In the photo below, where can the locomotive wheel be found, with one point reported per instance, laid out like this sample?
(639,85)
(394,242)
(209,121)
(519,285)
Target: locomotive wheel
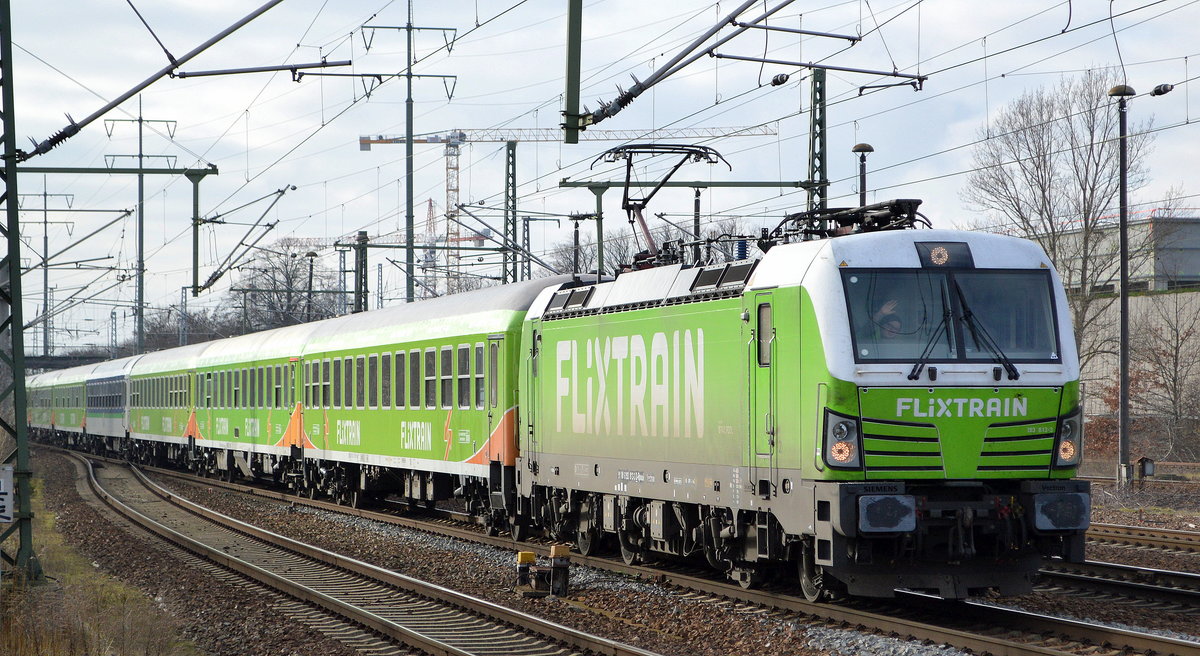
(587,533)
(810,581)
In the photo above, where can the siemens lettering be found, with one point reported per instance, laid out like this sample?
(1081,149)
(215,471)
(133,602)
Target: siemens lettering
(1011,407)
(632,385)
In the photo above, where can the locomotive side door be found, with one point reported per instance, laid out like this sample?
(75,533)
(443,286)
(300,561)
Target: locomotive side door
(762,385)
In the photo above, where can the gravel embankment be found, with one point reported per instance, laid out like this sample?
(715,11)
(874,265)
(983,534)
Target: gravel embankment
(647,615)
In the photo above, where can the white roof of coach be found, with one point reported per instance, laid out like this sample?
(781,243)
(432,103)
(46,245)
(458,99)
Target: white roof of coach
(118,367)
(266,345)
(60,376)
(478,311)
(172,359)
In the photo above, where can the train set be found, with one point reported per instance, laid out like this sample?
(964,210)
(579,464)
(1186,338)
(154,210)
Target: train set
(880,409)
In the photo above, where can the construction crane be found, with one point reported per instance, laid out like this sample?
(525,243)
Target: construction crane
(454,139)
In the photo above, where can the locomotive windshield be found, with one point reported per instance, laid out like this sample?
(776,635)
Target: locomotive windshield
(951,315)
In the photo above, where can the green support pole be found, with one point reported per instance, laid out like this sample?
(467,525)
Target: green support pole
(195,180)
(360,272)
(25,562)
(599,191)
(571,124)
(510,210)
(818,194)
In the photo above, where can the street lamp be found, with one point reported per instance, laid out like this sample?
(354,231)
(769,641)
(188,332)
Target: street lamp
(1121,92)
(862,149)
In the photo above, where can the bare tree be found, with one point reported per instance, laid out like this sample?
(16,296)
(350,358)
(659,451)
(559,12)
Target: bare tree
(619,248)
(1166,350)
(278,288)
(1047,169)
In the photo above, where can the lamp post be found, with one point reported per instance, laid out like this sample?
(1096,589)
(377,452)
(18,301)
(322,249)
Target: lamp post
(862,149)
(1121,92)
(311,255)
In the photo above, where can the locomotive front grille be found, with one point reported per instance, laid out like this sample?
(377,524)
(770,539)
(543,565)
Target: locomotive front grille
(1022,446)
(893,447)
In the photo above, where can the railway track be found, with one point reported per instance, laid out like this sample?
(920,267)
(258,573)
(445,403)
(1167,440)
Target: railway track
(429,618)
(979,627)
(1151,585)
(1139,536)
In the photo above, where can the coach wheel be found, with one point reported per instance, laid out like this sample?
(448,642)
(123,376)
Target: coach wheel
(587,531)
(349,497)
(629,552)
(811,583)
(519,528)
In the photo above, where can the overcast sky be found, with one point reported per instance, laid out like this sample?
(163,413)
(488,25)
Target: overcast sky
(265,132)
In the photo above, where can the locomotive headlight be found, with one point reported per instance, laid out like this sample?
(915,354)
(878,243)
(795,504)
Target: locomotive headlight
(842,449)
(1068,448)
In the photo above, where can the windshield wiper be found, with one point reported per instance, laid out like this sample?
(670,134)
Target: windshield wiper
(981,336)
(943,325)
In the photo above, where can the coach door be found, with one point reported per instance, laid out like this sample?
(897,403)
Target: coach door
(762,384)
(496,397)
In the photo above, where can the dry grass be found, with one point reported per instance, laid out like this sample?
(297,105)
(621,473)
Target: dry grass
(79,610)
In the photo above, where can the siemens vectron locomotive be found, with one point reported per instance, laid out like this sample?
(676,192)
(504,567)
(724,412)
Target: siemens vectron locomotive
(892,408)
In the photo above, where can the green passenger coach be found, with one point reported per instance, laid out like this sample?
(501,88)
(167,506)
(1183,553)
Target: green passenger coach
(864,408)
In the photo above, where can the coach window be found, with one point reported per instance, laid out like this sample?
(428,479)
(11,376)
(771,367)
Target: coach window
(373,381)
(464,376)
(208,390)
(337,383)
(385,380)
(479,377)
(401,377)
(447,376)
(414,380)
(314,381)
(360,381)
(326,385)
(431,378)
(306,383)
(349,392)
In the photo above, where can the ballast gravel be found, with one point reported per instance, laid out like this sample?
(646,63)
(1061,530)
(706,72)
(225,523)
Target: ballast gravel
(636,612)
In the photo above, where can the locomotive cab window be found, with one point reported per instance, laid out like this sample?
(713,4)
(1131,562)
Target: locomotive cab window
(949,315)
